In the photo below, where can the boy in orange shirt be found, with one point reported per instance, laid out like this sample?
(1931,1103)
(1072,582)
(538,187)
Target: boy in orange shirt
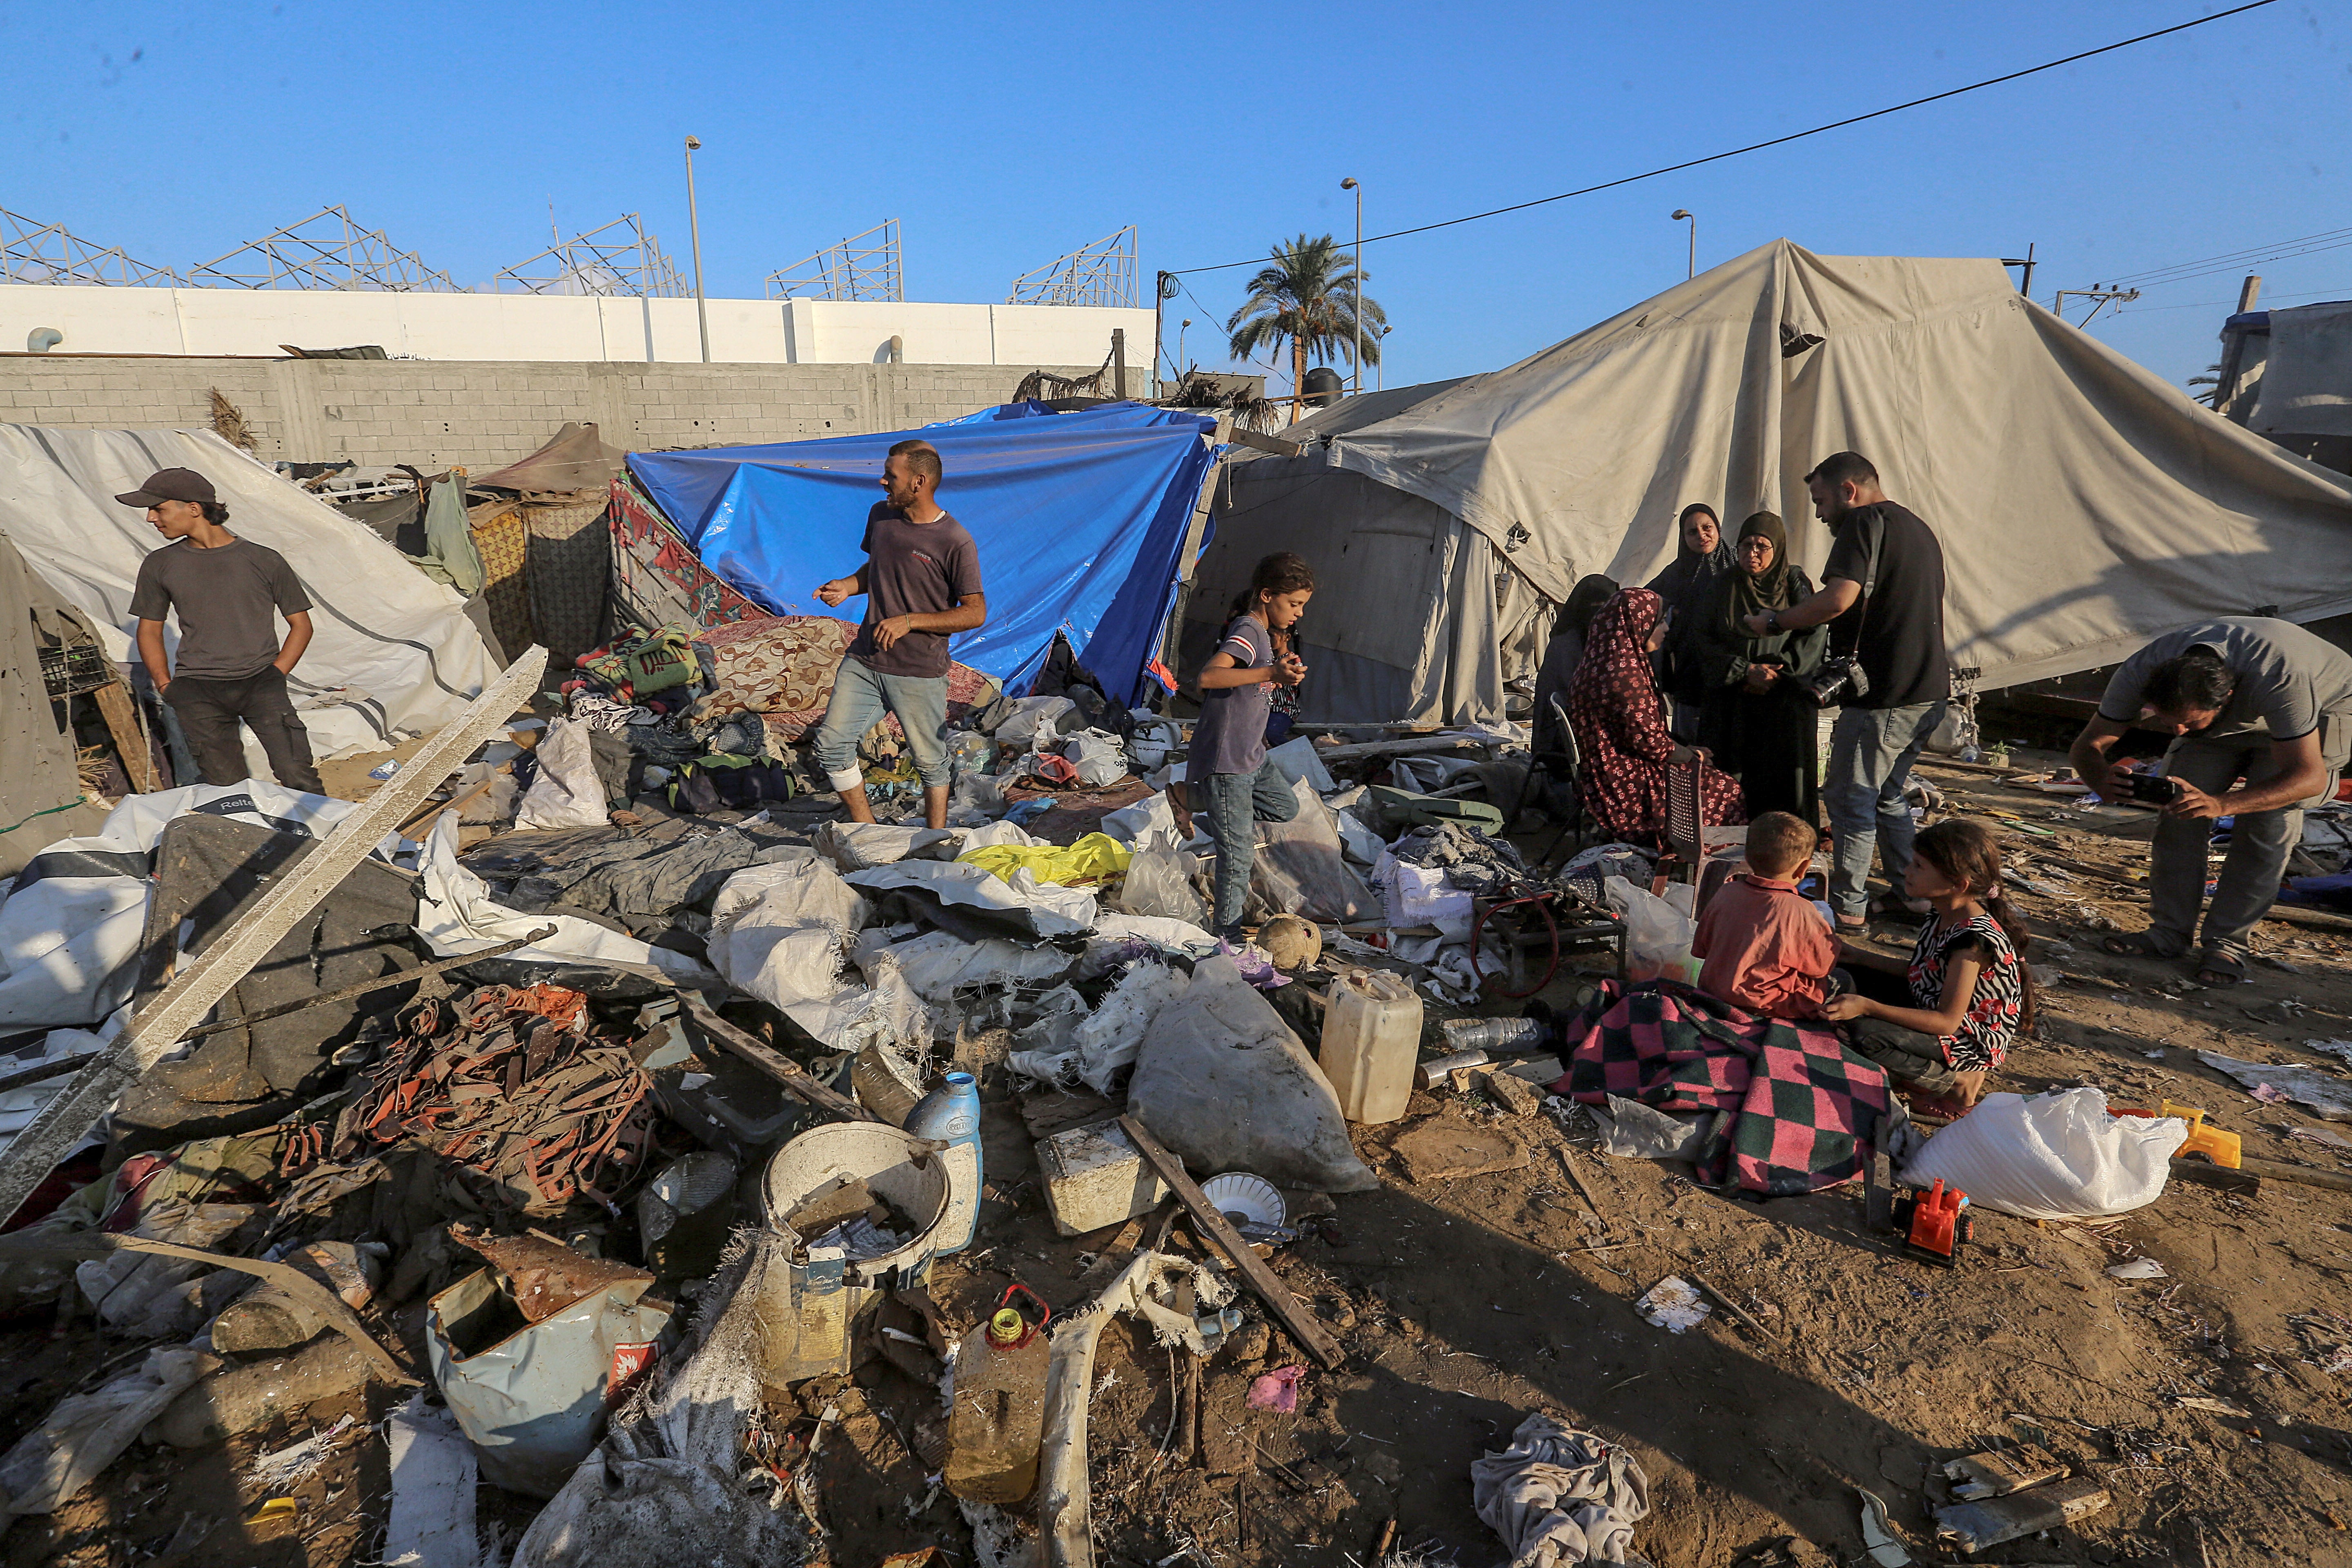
(1766,947)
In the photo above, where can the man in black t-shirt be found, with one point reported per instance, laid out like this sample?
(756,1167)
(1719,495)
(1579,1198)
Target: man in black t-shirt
(1889,561)
(231,668)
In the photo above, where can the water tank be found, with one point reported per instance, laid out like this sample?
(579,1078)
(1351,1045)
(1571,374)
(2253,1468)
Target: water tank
(1322,387)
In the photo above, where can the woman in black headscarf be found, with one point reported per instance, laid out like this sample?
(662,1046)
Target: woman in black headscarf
(1754,717)
(1561,654)
(1703,560)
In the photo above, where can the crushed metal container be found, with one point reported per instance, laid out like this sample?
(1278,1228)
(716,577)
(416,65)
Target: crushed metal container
(812,1308)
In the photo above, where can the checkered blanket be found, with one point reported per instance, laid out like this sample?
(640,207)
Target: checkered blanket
(1797,1110)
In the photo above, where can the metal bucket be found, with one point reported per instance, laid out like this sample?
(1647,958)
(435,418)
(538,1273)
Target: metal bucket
(810,1309)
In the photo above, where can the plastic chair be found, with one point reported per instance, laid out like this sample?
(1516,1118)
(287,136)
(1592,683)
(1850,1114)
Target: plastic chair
(1562,770)
(1684,835)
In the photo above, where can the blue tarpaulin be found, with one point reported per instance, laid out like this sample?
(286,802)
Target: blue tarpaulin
(1079,519)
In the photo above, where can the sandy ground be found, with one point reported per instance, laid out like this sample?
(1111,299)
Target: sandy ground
(1464,1304)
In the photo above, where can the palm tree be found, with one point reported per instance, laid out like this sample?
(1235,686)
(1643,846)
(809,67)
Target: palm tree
(1309,296)
(2211,378)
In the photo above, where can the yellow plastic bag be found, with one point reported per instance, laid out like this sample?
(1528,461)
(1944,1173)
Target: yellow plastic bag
(1091,860)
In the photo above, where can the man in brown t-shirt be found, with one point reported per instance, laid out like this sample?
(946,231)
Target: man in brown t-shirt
(921,583)
(228,592)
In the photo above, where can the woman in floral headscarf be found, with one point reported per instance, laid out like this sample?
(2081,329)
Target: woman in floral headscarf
(1621,728)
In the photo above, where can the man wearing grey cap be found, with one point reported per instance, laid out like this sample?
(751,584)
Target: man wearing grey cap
(228,592)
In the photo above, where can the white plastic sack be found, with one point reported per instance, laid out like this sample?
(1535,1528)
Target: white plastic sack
(1224,1082)
(1657,935)
(1296,760)
(87,1432)
(887,1015)
(860,845)
(1132,824)
(1098,757)
(1158,883)
(936,963)
(1032,716)
(778,931)
(567,793)
(2056,1156)
(1111,1036)
(1420,896)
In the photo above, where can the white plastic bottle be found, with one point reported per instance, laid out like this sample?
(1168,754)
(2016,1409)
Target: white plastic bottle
(1372,1037)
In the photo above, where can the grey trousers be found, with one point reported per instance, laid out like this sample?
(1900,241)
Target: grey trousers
(1235,805)
(1871,753)
(2259,842)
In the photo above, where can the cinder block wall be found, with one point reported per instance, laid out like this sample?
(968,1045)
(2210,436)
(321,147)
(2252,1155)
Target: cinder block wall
(439,413)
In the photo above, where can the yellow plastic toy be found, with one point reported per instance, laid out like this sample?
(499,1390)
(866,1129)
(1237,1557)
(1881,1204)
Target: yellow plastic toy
(2224,1149)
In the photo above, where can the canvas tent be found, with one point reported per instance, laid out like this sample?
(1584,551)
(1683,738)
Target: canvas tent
(1080,517)
(40,790)
(393,652)
(2084,505)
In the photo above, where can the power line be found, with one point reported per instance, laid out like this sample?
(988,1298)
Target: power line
(1778,141)
(2209,304)
(2278,251)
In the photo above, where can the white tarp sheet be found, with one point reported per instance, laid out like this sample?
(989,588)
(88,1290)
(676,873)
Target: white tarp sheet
(2307,387)
(399,643)
(2084,505)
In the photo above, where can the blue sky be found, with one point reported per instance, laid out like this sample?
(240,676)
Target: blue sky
(1002,138)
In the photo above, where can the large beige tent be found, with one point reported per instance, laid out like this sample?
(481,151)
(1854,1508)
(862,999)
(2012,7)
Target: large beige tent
(2084,505)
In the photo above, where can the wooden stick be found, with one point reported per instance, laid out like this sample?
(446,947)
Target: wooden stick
(1213,1227)
(122,716)
(1567,1164)
(41,1072)
(1729,1305)
(797,1081)
(453,804)
(1388,1539)
(2287,1170)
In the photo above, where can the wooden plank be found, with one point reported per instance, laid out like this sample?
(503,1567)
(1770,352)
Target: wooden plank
(1302,1324)
(122,717)
(2244,1182)
(199,987)
(2284,1171)
(1359,751)
(796,1078)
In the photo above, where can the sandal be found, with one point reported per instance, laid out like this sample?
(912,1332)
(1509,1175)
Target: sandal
(2133,945)
(2222,966)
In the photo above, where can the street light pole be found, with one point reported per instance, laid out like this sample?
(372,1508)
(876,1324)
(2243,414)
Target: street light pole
(694,225)
(1676,216)
(1350,185)
(1181,327)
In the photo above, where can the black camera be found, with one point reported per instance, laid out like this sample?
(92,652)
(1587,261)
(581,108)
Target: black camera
(1839,680)
(2155,789)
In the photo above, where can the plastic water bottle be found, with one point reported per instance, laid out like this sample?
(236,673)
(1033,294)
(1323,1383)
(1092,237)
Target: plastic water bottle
(949,1114)
(1504,1034)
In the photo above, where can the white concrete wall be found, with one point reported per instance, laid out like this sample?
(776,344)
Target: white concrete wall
(554,328)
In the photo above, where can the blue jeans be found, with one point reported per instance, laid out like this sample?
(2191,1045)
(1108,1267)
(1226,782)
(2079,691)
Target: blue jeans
(861,695)
(1871,753)
(1234,805)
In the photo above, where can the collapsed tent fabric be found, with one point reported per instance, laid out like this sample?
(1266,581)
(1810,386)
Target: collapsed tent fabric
(2084,505)
(40,788)
(1080,517)
(393,652)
